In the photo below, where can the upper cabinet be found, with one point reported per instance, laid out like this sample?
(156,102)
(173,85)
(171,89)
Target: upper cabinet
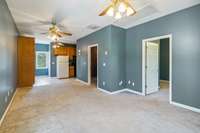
(61,51)
(66,51)
(72,51)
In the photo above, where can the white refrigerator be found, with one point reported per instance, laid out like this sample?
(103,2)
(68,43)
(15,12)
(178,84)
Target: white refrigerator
(62,67)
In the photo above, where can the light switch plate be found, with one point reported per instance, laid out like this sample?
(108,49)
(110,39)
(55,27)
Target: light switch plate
(104,83)
(120,83)
(106,52)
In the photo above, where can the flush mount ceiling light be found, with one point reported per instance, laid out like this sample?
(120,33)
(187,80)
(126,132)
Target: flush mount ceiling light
(119,9)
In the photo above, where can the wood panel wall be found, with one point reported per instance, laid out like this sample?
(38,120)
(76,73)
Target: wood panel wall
(26,61)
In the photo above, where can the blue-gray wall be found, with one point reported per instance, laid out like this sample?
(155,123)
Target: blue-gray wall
(112,40)
(8,56)
(42,48)
(164,59)
(125,55)
(184,27)
(53,62)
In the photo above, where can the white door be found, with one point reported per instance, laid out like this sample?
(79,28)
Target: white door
(62,66)
(152,67)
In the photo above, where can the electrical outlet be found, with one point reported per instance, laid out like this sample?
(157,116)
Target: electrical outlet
(133,84)
(104,64)
(6,99)
(104,83)
(106,52)
(79,50)
(120,83)
(129,82)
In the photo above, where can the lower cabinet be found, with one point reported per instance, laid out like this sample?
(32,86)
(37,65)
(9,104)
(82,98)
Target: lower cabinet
(71,71)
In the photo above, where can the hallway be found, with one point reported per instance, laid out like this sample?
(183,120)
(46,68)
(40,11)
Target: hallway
(67,106)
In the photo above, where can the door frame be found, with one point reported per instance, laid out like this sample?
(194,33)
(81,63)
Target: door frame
(89,63)
(144,63)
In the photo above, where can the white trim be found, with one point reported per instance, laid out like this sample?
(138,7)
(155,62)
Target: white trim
(114,92)
(135,92)
(8,107)
(89,62)
(81,81)
(120,91)
(143,62)
(185,106)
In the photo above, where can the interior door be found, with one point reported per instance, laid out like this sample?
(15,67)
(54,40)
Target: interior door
(152,67)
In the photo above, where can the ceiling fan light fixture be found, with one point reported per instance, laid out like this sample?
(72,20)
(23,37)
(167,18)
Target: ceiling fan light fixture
(54,46)
(130,11)
(119,9)
(118,15)
(122,7)
(110,12)
(54,38)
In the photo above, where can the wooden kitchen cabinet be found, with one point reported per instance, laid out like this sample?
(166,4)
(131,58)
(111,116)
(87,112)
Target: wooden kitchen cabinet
(26,61)
(72,52)
(61,51)
(66,51)
(71,71)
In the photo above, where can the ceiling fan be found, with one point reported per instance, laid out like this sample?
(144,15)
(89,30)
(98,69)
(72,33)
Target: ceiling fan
(55,32)
(119,9)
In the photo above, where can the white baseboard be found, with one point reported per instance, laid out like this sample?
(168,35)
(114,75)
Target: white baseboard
(185,106)
(135,92)
(8,107)
(86,83)
(120,91)
(114,92)
(109,92)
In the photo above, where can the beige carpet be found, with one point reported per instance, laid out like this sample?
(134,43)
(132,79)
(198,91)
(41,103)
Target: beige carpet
(67,106)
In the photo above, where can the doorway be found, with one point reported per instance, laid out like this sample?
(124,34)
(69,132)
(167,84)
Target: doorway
(157,65)
(93,64)
(42,64)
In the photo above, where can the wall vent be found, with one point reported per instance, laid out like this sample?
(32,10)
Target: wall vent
(93,27)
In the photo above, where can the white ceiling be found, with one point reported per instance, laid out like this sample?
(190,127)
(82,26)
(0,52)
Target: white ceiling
(77,15)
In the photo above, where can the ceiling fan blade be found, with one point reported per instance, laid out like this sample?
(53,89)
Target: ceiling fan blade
(103,13)
(45,22)
(59,35)
(66,33)
(61,44)
(45,33)
(134,11)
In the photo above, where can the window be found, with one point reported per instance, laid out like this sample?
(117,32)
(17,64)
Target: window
(41,60)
